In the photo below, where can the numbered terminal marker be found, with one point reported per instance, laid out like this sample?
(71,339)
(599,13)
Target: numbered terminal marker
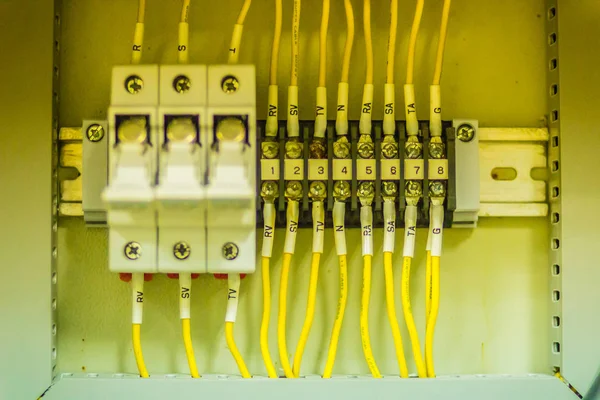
(414,170)
(438,169)
(366,170)
(342,169)
(269,170)
(318,169)
(293,170)
(390,170)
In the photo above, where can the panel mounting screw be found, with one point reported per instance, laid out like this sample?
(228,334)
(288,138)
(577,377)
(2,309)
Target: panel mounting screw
(230,251)
(134,84)
(182,84)
(465,133)
(230,84)
(181,250)
(133,250)
(95,133)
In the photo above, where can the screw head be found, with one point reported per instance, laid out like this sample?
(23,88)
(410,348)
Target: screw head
(293,149)
(341,147)
(269,190)
(365,148)
(317,191)
(182,84)
(230,84)
(269,149)
(413,148)
(293,190)
(389,147)
(436,149)
(132,250)
(366,192)
(230,251)
(465,133)
(389,189)
(134,84)
(95,133)
(317,149)
(341,190)
(181,250)
(413,188)
(437,189)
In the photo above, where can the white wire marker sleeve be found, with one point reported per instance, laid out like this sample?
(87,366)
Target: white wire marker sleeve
(412,122)
(364,125)
(269,231)
(341,120)
(339,233)
(138,43)
(366,224)
(435,112)
(389,109)
(389,230)
(410,231)
(184,43)
(318,215)
(234,47)
(137,289)
(291,229)
(428,246)
(293,124)
(437,227)
(233,294)
(321,112)
(185,295)
(272,127)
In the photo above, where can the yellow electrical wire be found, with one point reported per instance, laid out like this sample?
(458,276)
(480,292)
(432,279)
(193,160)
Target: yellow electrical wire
(437,75)
(234,350)
(141,11)
(189,349)
(414,32)
(310,312)
(266,317)
(368,41)
(185,11)
(431,320)
(410,321)
(391,56)
(323,44)
(243,12)
(276,41)
(364,317)
(295,43)
(349,41)
(137,350)
(428,286)
(339,319)
(281,319)
(391,310)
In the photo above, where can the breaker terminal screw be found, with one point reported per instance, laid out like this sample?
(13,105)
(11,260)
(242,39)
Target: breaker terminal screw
(317,149)
(293,190)
(437,189)
(465,133)
(133,250)
(182,84)
(389,189)
(366,148)
(230,251)
(389,147)
(268,191)
(317,191)
(269,148)
(413,188)
(181,250)
(134,84)
(437,149)
(341,190)
(341,147)
(230,84)
(293,149)
(413,148)
(95,133)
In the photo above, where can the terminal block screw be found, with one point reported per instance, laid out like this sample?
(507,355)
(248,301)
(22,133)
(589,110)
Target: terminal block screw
(230,251)
(268,191)
(269,148)
(413,188)
(341,147)
(230,84)
(182,84)
(437,189)
(293,149)
(317,191)
(95,133)
(366,192)
(133,250)
(181,250)
(389,189)
(366,148)
(293,190)
(134,84)
(413,148)
(437,149)
(389,147)
(465,133)
(341,190)
(317,148)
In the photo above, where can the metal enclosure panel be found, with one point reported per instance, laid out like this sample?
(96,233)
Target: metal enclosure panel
(579,40)
(26,122)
